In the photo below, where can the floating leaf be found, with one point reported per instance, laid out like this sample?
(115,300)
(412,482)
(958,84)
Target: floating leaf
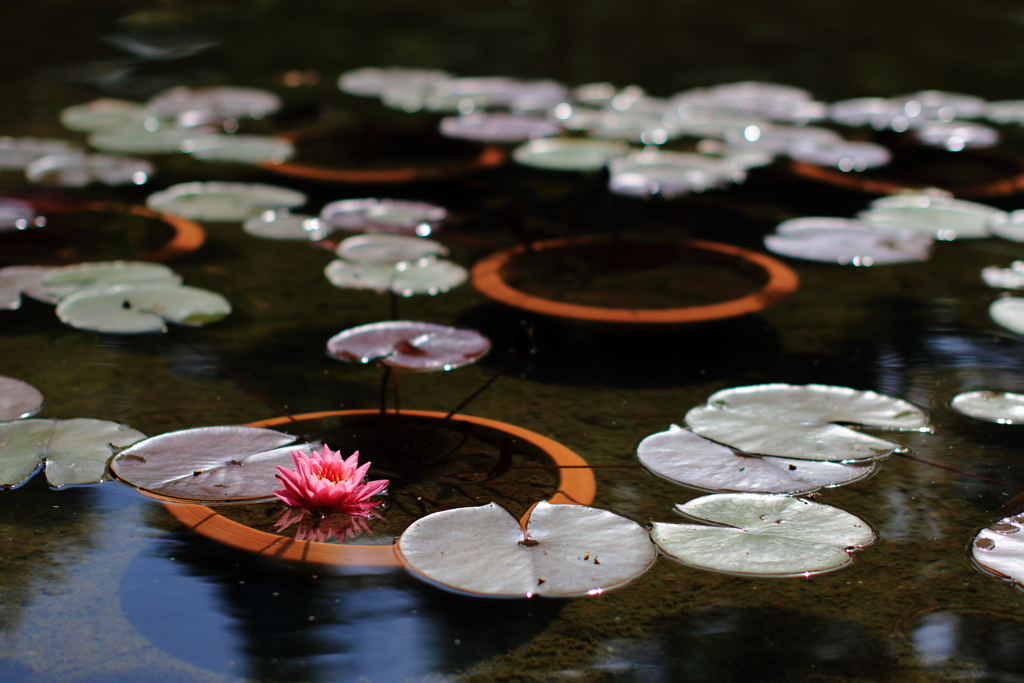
(138,309)
(209,464)
(795,421)
(227,101)
(390,249)
(844,155)
(497,127)
(1004,278)
(956,136)
(79,169)
(1001,407)
(1008,312)
(221,201)
(18,215)
(73,451)
(18,280)
(409,345)
(59,283)
(384,215)
(999,549)
(272,225)
(846,242)
(372,81)
(566,550)
(18,399)
(102,113)
(569,154)
(763,535)
(681,456)
(434,278)
(17,153)
(136,138)
(245,149)
(944,219)
(1009,226)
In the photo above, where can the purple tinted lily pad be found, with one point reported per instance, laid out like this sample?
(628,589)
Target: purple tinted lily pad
(498,127)
(18,399)
(685,458)
(209,464)
(411,346)
(383,215)
(999,549)
(18,215)
(72,451)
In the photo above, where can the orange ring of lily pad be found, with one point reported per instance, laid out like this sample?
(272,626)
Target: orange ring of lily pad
(489,277)
(576,486)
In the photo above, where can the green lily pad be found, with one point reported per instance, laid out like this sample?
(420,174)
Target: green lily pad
(797,421)
(245,149)
(221,201)
(140,309)
(763,535)
(1001,407)
(18,280)
(72,451)
(59,283)
(681,456)
(566,550)
(18,399)
(209,464)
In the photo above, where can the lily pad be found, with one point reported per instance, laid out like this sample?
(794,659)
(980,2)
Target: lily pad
(942,218)
(78,170)
(1001,407)
(228,101)
(273,225)
(18,280)
(17,153)
(1008,312)
(999,549)
(796,421)
(102,113)
(569,154)
(956,136)
(136,138)
(58,283)
(245,149)
(390,249)
(18,215)
(372,81)
(222,201)
(846,242)
(566,550)
(1004,278)
(384,215)
(497,127)
(844,155)
(18,399)
(72,451)
(139,309)
(763,535)
(683,457)
(411,346)
(209,464)
(434,278)
(1009,226)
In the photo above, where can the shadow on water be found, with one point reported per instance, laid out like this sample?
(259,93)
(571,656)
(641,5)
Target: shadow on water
(570,353)
(232,613)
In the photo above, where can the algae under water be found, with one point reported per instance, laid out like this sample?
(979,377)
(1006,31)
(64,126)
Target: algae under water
(102,584)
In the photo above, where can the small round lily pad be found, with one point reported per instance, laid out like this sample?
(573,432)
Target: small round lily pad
(1001,407)
(78,170)
(409,345)
(763,535)
(999,549)
(245,149)
(390,249)
(436,277)
(228,101)
(569,154)
(274,225)
(222,201)
(141,309)
(1008,312)
(135,138)
(17,153)
(942,218)
(102,113)
(18,399)
(497,127)
(846,242)
(384,215)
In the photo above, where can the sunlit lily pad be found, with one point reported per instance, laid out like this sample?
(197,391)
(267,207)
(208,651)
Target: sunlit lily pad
(140,309)
(999,549)
(844,155)
(384,215)
(273,225)
(956,136)
(1001,407)
(73,451)
(846,242)
(569,154)
(566,550)
(1004,278)
(434,278)
(18,399)
(222,201)
(1009,226)
(18,280)
(390,249)
(763,535)
(102,113)
(135,138)
(796,421)
(942,218)
(497,127)
(59,283)
(1008,312)
(409,345)
(245,149)
(78,170)
(670,174)
(681,456)
(209,464)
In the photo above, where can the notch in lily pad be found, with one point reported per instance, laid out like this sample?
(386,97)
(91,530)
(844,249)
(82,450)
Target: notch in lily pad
(749,534)
(72,452)
(561,551)
(410,345)
(140,309)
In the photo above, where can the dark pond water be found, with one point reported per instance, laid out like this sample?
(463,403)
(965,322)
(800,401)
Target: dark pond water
(101,584)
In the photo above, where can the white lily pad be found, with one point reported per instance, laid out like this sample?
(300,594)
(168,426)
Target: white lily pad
(683,457)
(72,451)
(1008,312)
(999,549)
(956,136)
(409,345)
(78,170)
(763,535)
(845,155)
(222,201)
(384,215)
(566,550)
(245,149)
(372,81)
(942,218)
(1004,278)
(434,278)
(17,153)
(18,215)
(464,95)
(569,154)
(18,399)
(349,275)
(1009,226)
(135,138)
(228,101)
(497,127)
(275,225)
(796,421)
(140,309)
(58,283)
(390,249)
(18,280)
(670,174)
(102,113)
(209,464)
(1001,407)
(846,242)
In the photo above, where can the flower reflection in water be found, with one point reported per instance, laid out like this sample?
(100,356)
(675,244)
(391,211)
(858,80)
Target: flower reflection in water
(315,527)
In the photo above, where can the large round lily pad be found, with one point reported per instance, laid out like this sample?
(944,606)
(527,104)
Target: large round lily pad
(73,451)
(209,464)
(945,219)
(1001,407)
(999,549)
(59,283)
(681,456)
(566,550)
(763,535)
(140,309)
(409,345)
(18,399)
(797,421)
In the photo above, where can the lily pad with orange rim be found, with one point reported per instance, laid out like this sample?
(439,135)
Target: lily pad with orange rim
(574,278)
(468,157)
(575,485)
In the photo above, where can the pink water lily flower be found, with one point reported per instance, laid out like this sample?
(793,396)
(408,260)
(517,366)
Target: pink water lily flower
(326,482)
